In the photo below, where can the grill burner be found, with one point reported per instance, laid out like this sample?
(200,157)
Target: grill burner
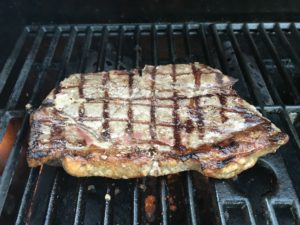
(264,57)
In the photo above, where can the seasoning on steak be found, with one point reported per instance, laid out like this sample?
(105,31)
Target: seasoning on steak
(172,118)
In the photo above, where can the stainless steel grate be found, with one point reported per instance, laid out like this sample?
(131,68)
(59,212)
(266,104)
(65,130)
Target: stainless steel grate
(265,59)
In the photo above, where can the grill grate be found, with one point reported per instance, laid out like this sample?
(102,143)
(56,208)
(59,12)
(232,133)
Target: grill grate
(265,59)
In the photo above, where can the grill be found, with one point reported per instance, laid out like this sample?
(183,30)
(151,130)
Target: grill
(263,56)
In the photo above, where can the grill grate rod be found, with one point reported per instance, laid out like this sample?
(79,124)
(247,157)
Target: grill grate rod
(287,44)
(244,67)
(27,195)
(8,66)
(18,87)
(52,200)
(11,163)
(46,63)
(261,65)
(278,63)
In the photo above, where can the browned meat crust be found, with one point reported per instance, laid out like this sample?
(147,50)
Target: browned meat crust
(174,118)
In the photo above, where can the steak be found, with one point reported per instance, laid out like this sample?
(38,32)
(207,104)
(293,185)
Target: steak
(173,118)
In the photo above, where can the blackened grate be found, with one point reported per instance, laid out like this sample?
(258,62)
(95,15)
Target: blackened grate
(265,59)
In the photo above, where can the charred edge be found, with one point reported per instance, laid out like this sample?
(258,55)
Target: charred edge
(130,113)
(186,157)
(223,163)
(226,146)
(252,118)
(197,75)
(152,108)
(57,89)
(105,134)
(279,137)
(55,137)
(177,145)
(223,102)
(47,103)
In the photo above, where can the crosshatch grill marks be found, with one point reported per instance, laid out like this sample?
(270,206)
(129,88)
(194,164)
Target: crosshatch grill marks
(223,102)
(130,113)
(177,130)
(152,108)
(81,96)
(196,101)
(222,98)
(105,125)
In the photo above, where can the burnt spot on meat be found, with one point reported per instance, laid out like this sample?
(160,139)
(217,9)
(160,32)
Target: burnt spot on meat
(185,157)
(189,126)
(228,160)
(226,146)
(47,103)
(223,102)
(280,136)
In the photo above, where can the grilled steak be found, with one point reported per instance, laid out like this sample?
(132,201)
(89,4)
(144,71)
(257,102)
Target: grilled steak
(173,118)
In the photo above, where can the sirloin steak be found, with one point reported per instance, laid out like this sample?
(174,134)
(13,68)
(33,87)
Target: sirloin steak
(173,118)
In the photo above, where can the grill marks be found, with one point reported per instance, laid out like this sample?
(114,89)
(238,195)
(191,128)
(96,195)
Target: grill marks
(176,121)
(198,113)
(223,101)
(80,90)
(222,98)
(105,125)
(152,109)
(130,113)
(195,118)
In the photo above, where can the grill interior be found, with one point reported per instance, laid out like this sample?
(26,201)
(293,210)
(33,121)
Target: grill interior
(263,57)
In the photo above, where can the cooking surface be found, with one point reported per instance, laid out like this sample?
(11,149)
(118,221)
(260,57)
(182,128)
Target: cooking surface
(264,57)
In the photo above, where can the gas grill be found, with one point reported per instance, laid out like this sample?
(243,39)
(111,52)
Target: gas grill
(264,57)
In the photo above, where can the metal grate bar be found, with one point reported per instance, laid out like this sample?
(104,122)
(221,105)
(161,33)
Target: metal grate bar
(208,56)
(107,208)
(244,66)
(137,48)
(220,50)
(278,63)
(52,200)
(10,62)
(192,208)
(11,163)
(120,48)
(187,43)
(27,196)
(171,45)
(262,67)
(14,97)
(85,49)
(136,203)
(80,204)
(163,199)
(287,44)
(154,44)
(295,31)
(45,65)
(101,58)
(67,55)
